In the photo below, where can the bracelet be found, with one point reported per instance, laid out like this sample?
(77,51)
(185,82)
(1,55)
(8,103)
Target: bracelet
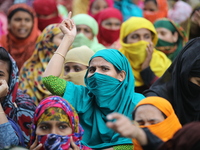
(60,55)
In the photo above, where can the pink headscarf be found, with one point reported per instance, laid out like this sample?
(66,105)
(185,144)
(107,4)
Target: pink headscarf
(180,12)
(109,2)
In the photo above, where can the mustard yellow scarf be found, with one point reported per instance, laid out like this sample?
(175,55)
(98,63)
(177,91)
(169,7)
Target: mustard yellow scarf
(136,52)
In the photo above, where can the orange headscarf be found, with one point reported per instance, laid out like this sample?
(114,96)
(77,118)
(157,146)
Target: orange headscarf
(165,129)
(161,13)
(21,49)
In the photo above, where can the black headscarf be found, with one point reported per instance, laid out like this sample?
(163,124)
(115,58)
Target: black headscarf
(175,86)
(186,138)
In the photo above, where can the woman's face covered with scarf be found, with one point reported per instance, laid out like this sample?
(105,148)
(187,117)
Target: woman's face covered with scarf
(55,122)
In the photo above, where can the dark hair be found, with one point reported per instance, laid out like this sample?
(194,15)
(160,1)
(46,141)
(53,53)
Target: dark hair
(4,56)
(154,1)
(16,10)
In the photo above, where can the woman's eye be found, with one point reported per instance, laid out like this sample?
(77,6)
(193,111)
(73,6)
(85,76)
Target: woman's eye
(43,127)
(67,69)
(91,69)
(104,69)
(63,126)
(134,36)
(77,69)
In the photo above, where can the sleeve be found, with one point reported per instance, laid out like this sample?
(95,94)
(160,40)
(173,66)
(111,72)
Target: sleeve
(153,141)
(8,136)
(148,76)
(55,85)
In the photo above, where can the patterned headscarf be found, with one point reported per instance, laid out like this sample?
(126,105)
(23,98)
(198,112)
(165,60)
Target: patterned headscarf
(31,72)
(18,106)
(52,105)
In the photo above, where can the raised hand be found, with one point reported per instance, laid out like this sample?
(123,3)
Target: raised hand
(68,27)
(122,125)
(35,145)
(149,51)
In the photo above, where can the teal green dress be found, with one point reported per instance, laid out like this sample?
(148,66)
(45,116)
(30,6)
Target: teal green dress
(101,96)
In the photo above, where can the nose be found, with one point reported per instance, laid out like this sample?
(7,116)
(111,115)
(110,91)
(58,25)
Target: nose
(54,131)
(147,124)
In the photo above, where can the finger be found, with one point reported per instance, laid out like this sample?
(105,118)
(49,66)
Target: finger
(38,147)
(72,143)
(69,15)
(113,116)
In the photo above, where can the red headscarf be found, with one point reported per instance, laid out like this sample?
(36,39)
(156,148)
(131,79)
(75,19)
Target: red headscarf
(161,13)
(105,36)
(109,2)
(46,7)
(21,49)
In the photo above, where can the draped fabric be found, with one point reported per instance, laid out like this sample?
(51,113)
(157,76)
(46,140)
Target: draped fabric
(108,36)
(46,8)
(160,13)
(58,107)
(175,86)
(18,106)
(168,47)
(136,52)
(186,138)
(31,72)
(128,9)
(165,129)
(21,49)
(84,19)
(111,95)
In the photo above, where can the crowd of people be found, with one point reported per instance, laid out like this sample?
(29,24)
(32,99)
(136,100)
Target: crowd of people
(100,74)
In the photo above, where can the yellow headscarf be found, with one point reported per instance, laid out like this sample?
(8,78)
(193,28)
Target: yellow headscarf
(136,52)
(165,129)
(31,71)
(82,56)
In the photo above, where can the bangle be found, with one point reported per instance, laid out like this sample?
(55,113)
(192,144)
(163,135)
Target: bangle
(60,55)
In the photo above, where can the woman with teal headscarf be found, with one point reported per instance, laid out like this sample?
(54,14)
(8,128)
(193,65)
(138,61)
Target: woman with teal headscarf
(171,37)
(109,88)
(87,30)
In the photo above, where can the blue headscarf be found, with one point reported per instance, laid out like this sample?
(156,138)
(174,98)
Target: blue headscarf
(128,9)
(111,96)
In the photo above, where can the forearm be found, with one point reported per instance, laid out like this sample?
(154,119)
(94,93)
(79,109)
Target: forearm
(8,136)
(55,65)
(3,118)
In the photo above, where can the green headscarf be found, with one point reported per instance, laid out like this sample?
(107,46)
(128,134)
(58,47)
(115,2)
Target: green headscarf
(111,95)
(84,19)
(171,49)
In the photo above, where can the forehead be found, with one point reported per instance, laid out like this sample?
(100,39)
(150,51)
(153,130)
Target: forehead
(22,14)
(147,110)
(150,4)
(82,26)
(112,20)
(141,31)
(4,66)
(99,3)
(162,30)
(97,61)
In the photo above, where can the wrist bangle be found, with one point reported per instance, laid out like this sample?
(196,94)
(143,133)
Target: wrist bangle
(60,55)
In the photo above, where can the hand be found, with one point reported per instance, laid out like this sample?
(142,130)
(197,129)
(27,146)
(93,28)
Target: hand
(122,125)
(74,146)
(68,27)
(3,88)
(109,149)
(196,17)
(35,145)
(149,51)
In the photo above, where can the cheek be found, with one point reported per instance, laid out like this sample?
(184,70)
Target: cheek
(89,35)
